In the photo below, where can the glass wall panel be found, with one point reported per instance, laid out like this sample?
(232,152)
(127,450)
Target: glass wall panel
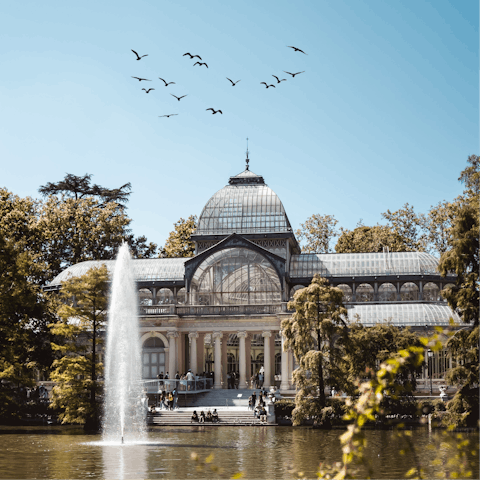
(295,289)
(235,276)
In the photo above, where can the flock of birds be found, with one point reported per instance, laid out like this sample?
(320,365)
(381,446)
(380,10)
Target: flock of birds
(202,63)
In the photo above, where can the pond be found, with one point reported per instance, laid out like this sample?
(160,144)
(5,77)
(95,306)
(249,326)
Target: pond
(258,452)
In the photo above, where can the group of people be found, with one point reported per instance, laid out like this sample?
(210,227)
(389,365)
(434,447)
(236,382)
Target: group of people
(168,400)
(258,404)
(202,418)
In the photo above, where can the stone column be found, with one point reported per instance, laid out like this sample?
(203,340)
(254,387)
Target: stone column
(242,361)
(200,353)
(267,360)
(399,298)
(172,354)
(217,358)
(284,384)
(420,293)
(224,361)
(354,292)
(375,291)
(192,338)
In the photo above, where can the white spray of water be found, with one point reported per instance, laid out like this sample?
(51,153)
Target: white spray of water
(124,409)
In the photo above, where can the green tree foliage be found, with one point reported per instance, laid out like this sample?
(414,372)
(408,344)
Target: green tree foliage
(24,315)
(470,177)
(365,239)
(82,221)
(463,259)
(317,232)
(82,318)
(179,242)
(437,225)
(314,333)
(406,223)
(77,187)
(368,347)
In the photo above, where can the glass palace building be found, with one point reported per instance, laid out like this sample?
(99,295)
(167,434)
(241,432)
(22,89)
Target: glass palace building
(221,309)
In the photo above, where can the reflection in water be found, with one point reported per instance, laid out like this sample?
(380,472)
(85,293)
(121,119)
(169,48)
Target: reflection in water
(124,461)
(258,452)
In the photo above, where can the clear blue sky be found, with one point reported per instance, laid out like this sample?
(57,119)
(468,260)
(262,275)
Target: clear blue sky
(386,112)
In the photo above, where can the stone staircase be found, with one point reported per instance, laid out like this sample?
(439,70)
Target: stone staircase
(181,417)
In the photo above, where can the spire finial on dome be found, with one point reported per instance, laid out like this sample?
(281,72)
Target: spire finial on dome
(247,160)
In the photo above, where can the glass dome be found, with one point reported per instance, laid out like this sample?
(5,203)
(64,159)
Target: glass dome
(235,276)
(246,205)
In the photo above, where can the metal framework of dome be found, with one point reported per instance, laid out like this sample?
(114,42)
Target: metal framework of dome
(246,205)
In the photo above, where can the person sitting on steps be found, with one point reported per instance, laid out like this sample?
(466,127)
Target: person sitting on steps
(209,416)
(194,417)
(202,417)
(215,416)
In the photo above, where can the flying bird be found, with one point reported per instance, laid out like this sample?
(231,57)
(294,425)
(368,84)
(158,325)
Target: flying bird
(268,86)
(178,98)
(298,50)
(147,91)
(233,83)
(140,79)
(200,63)
(169,115)
(138,56)
(278,80)
(166,84)
(293,74)
(214,111)
(192,56)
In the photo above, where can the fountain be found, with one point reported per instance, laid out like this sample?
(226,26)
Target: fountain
(125,403)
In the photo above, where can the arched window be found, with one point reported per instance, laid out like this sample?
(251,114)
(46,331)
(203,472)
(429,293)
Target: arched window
(387,293)
(182,296)
(294,289)
(431,292)
(164,296)
(364,293)
(153,357)
(347,292)
(145,296)
(409,292)
(235,276)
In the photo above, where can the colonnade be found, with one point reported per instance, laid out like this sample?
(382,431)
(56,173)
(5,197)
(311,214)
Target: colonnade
(219,343)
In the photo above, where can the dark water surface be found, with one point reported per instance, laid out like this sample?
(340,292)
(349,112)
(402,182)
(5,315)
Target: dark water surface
(258,452)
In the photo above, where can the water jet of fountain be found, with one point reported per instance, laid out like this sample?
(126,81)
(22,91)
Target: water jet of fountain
(124,412)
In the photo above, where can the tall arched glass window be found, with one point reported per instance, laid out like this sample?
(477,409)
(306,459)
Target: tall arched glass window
(235,276)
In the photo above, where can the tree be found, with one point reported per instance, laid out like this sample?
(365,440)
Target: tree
(76,187)
(314,333)
(318,232)
(179,242)
(463,297)
(470,176)
(79,221)
(437,225)
(368,347)
(409,226)
(365,239)
(82,318)
(25,312)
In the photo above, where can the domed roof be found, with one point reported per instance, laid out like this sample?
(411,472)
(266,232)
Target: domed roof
(245,205)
